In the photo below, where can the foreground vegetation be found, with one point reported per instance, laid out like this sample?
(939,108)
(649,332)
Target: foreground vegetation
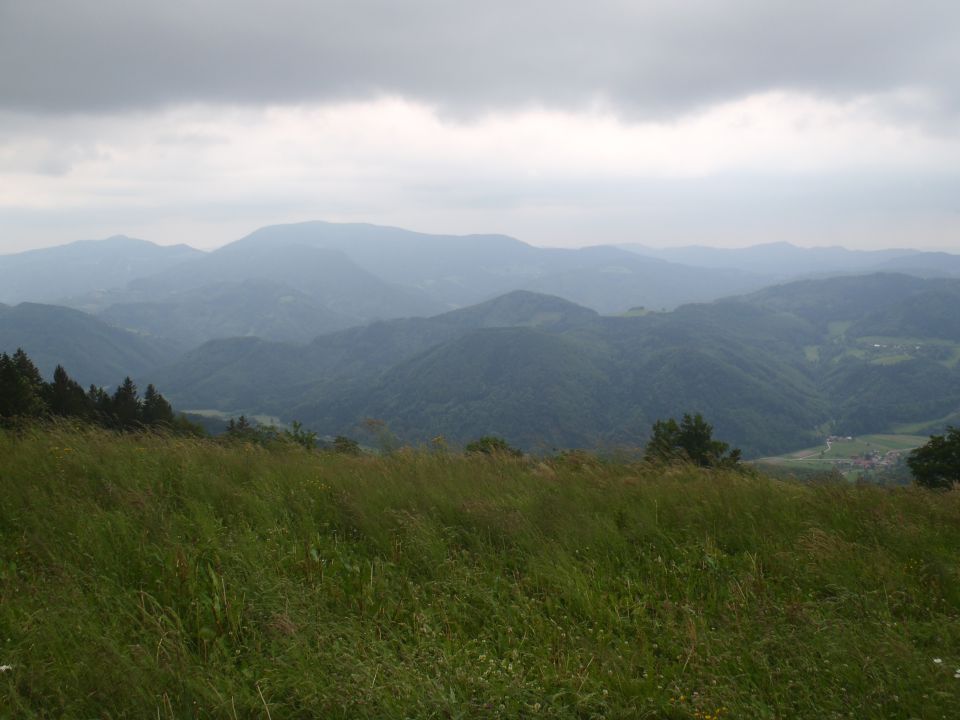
(144,576)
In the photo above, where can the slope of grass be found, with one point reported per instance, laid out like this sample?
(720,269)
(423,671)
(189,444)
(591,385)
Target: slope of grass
(153,577)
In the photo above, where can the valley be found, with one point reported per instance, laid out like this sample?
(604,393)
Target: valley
(466,336)
(855,458)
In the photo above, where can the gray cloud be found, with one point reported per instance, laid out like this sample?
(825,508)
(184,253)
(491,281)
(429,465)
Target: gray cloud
(641,58)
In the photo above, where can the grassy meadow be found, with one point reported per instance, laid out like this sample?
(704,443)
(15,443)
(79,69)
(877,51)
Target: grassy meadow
(143,576)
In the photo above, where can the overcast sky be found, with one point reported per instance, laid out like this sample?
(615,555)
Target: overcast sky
(713,122)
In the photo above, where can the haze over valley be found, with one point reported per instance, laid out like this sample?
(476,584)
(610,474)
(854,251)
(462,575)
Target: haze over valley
(465,336)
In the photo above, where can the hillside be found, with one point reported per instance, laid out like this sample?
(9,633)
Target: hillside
(773,371)
(248,308)
(602,382)
(93,351)
(274,377)
(144,576)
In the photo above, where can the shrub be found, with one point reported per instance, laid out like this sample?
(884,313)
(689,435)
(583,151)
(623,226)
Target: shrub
(937,464)
(492,445)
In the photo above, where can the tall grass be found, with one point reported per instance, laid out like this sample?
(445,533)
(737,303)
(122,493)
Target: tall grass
(144,576)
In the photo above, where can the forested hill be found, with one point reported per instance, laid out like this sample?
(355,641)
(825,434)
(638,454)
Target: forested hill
(94,351)
(773,371)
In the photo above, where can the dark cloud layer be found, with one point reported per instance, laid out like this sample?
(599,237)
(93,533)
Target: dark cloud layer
(642,58)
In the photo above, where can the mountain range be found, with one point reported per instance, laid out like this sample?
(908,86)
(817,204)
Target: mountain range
(293,282)
(773,370)
(469,335)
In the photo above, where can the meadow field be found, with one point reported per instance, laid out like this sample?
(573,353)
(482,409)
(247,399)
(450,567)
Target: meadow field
(838,454)
(147,576)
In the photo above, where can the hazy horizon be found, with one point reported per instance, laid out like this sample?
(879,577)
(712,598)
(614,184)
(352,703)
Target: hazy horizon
(698,123)
(650,246)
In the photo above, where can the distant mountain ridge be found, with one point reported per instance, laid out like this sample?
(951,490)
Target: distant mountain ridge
(292,282)
(780,260)
(459,270)
(51,274)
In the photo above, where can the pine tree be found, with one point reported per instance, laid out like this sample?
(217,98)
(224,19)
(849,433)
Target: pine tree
(156,409)
(20,387)
(101,405)
(28,371)
(66,398)
(126,406)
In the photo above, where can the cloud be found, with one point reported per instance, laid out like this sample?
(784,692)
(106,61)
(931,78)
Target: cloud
(638,59)
(768,166)
(560,122)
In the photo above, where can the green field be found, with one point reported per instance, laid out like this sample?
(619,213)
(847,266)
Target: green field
(142,576)
(821,459)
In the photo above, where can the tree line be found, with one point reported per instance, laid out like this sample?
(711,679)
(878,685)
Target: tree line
(24,394)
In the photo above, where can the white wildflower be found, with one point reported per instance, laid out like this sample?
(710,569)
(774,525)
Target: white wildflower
(937,661)
(5,668)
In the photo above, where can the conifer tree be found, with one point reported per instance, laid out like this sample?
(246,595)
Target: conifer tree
(126,406)
(20,393)
(100,404)
(65,397)
(156,409)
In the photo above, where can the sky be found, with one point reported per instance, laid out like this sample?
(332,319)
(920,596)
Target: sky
(715,122)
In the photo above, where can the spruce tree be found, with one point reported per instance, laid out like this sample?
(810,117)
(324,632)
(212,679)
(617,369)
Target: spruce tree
(156,409)
(66,398)
(126,407)
(28,371)
(20,387)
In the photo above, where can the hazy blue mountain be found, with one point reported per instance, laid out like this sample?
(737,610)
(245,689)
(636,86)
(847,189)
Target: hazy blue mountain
(927,264)
(327,276)
(847,299)
(284,292)
(462,270)
(251,373)
(932,313)
(619,283)
(51,274)
(259,308)
(94,351)
(457,269)
(783,260)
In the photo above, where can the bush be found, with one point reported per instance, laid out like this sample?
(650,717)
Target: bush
(937,464)
(690,440)
(492,445)
(345,446)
